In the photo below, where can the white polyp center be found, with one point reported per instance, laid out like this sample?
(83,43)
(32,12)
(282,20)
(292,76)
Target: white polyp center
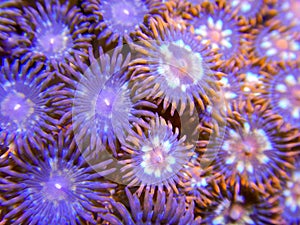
(17,106)
(214,33)
(57,187)
(180,65)
(246,150)
(157,158)
(105,101)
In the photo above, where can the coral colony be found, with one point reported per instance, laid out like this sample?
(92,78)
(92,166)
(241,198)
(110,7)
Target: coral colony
(149,112)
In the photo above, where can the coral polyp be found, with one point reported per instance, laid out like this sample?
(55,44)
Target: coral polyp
(53,184)
(55,31)
(276,45)
(156,157)
(102,109)
(152,210)
(174,67)
(24,102)
(116,20)
(242,208)
(282,92)
(256,148)
(287,14)
(219,27)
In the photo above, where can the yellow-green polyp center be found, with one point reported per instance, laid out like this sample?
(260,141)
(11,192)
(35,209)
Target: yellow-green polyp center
(17,107)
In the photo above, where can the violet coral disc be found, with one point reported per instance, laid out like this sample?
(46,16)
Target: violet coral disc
(276,45)
(118,19)
(256,149)
(102,109)
(156,157)
(53,184)
(56,31)
(25,111)
(219,28)
(174,67)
